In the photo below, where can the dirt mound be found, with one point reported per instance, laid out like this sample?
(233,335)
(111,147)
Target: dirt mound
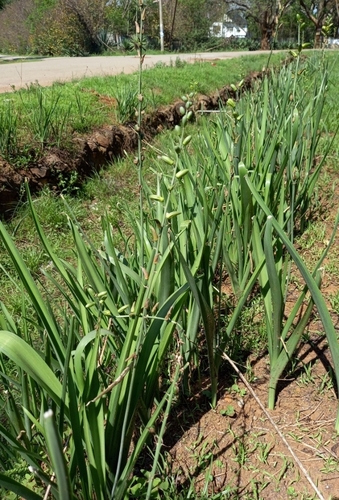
(56,167)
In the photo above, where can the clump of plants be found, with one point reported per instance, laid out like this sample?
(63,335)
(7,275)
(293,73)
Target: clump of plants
(84,391)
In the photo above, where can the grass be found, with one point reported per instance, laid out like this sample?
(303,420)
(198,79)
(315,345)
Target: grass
(42,117)
(119,185)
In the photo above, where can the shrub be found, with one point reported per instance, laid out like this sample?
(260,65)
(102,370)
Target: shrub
(14,28)
(59,33)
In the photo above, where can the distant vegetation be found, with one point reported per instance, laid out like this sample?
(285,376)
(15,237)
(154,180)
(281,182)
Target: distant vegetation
(82,27)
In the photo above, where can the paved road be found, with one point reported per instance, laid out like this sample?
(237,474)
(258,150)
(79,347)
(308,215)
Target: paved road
(18,74)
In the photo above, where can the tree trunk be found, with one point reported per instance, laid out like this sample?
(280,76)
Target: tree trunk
(266,32)
(265,42)
(318,39)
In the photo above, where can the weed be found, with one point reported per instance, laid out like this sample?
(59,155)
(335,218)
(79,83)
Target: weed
(240,452)
(264,451)
(291,492)
(126,98)
(306,377)
(8,129)
(334,300)
(229,411)
(330,465)
(326,382)
(68,184)
(179,63)
(159,65)
(235,389)
(286,465)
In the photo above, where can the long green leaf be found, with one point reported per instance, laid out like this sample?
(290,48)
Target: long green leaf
(38,302)
(17,488)
(276,295)
(26,358)
(57,457)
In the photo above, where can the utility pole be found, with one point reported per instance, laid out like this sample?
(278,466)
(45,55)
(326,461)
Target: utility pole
(161,25)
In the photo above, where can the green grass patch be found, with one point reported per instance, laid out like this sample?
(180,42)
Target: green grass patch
(36,118)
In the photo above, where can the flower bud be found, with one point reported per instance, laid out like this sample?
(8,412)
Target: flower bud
(167,160)
(156,197)
(181,173)
(170,215)
(187,140)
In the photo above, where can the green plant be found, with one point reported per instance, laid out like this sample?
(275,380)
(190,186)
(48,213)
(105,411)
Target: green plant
(266,133)
(330,465)
(229,411)
(307,376)
(100,327)
(313,287)
(81,116)
(292,492)
(326,382)
(99,369)
(28,117)
(261,146)
(58,31)
(264,451)
(179,63)
(93,309)
(241,452)
(8,130)
(126,98)
(237,390)
(46,119)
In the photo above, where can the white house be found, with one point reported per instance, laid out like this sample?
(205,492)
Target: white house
(228,28)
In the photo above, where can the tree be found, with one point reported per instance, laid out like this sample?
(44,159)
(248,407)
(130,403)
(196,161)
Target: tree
(288,26)
(60,33)
(266,15)
(120,16)
(189,21)
(91,14)
(318,12)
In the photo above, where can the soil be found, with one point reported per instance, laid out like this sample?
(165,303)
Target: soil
(243,452)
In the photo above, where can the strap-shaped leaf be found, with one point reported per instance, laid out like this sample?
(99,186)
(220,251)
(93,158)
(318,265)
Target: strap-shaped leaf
(10,484)
(26,358)
(57,457)
(312,286)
